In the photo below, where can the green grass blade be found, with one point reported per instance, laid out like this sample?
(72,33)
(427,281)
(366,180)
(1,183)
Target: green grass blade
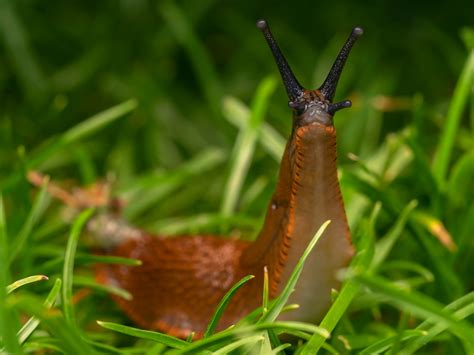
(245,146)
(386,343)
(97,122)
(68,268)
(223,305)
(107,259)
(12,287)
(33,217)
(92,284)
(168,340)
(239,343)
(419,305)
(66,335)
(82,130)
(219,339)
(386,243)
(237,113)
(453,119)
(29,327)
(7,332)
(462,308)
(275,308)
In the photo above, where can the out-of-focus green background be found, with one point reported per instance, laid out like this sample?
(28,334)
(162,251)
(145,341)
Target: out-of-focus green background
(181,152)
(62,62)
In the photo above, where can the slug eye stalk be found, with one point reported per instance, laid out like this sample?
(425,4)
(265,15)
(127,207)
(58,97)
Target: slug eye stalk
(300,98)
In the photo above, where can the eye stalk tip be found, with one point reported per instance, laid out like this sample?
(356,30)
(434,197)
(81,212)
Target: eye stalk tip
(357,32)
(262,25)
(333,108)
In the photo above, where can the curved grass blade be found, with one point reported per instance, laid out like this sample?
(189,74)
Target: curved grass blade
(30,326)
(223,305)
(462,308)
(222,338)
(276,307)
(238,114)
(386,343)
(252,340)
(7,332)
(386,243)
(453,120)
(418,304)
(168,340)
(67,335)
(68,268)
(245,145)
(107,259)
(35,213)
(114,290)
(27,280)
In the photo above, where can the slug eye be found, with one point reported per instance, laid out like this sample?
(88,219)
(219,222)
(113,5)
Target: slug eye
(298,106)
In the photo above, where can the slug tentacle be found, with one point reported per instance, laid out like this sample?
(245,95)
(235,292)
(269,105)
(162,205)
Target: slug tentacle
(292,86)
(310,106)
(328,88)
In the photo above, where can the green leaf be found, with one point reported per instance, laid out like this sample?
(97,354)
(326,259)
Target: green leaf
(245,145)
(386,343)
(445,147)
(12,287)
(67,335)
(168,340)
(68,268)
(33,217)
(223,305)
(29,327)
(7,331)
(418,304)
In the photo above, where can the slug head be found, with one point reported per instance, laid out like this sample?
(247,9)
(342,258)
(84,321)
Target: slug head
(310,106)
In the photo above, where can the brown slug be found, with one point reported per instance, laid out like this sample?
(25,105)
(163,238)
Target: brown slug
(182,279)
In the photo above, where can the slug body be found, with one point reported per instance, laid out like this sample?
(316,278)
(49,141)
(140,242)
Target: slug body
(182,279)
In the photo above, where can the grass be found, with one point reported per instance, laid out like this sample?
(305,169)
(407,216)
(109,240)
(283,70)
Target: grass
(173,100)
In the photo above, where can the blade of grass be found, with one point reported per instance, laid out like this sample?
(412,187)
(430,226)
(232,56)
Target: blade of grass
(67,336)
(68,268)
(113,290)
(445,147)
(238,343)
(245,145)
(80,131)
(386,343)
(275,308)
(7,332)
(223,305)
(107,259)
(12,287)
(221,338)
(168,340)
(386,243)
(462,308)
(418,304)
(238,114)
(33,217)
(29,327)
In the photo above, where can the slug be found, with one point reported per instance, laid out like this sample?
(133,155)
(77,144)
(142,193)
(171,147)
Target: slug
(181,280)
